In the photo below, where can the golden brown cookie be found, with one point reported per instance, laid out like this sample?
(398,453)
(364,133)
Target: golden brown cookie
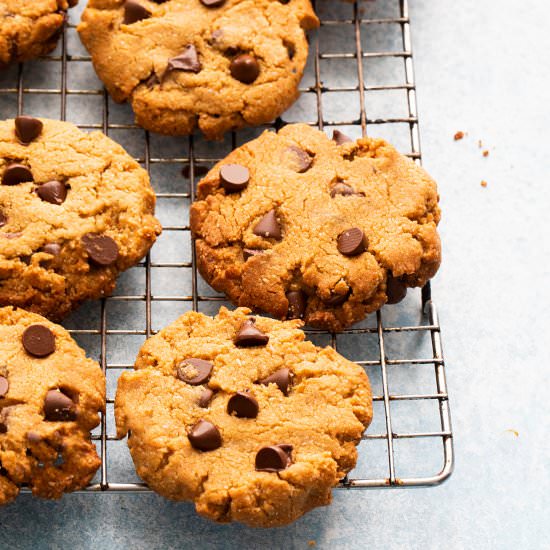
(298,225)
(242,416)
(30,28)
(50,398)
(75,211)
(218,65)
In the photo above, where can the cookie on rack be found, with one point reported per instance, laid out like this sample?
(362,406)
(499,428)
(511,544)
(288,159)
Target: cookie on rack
(298,225)
(75,211)
(242,416)
(51,395)
(30,28)
(215,65)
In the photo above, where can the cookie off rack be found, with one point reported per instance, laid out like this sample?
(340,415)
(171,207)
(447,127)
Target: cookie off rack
(359,80)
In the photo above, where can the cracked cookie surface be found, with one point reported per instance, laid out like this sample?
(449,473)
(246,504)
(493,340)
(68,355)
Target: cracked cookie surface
(187,63)
(277,418)
(316,230)
(75,211)
(30,28)
(50,398)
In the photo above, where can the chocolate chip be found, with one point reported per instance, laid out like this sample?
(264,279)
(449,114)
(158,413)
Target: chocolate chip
(213,3)
(38,340)
(341,188)
(188,60)
(340,138)
(205,398)
(249,335)
(298,159)
(59,407)
(3,219)
(102,250)
(249,252)
(194,371)
(27,128)
(280,377)
(274,458)
(352,242)
(245,68)
(337,299)
(134,12)
(4,386)
(204,436)
(54,192)
(243,405)
(234,177)
(51,248)
(268,226)
(3,428)
(296,304)
(395,290)
(14,174)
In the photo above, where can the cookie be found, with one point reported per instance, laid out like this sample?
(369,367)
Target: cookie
(30,28)
(50,398)
(242,416)
(218,65)
(302,226)
(75,211)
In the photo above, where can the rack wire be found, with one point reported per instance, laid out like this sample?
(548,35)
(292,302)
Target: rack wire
(359,77)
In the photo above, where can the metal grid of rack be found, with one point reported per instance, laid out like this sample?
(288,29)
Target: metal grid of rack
(373,89)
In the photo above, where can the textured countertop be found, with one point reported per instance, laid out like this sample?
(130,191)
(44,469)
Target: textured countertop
(481,68)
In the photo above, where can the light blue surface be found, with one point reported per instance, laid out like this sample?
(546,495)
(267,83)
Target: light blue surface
(482,67)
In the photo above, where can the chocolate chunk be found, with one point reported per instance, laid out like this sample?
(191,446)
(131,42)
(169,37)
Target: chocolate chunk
(204,436)
(102,250)
(352,242)
(194,371)
(213,3)
(337,299)
(59,407)
(3,428)
(249,252)
(188,60)
(14,174)
(243,405)
(234,177)
(54,192)
(4,386)
(280,377)
(51,248)
(297,303)
(249,335)
(268,226)
(205,398)
(340,138)
(245,68)
(274,458)
(395,290)
(38,340)
(27,128)
(134,12)
(296,159)
(3,219)
(341,188)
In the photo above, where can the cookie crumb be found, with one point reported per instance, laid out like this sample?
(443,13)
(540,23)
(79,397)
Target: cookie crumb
(485,153)
(480,144)
(311,543)
(483,183)
(459,135)
(512,431)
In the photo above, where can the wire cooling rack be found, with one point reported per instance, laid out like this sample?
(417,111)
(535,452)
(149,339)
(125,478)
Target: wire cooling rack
(359,79)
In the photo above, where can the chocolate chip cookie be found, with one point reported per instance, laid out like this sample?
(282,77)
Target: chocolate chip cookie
(30,28)
(242,416)
(219,65)
(50,399)
(75,211)
(328,230)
